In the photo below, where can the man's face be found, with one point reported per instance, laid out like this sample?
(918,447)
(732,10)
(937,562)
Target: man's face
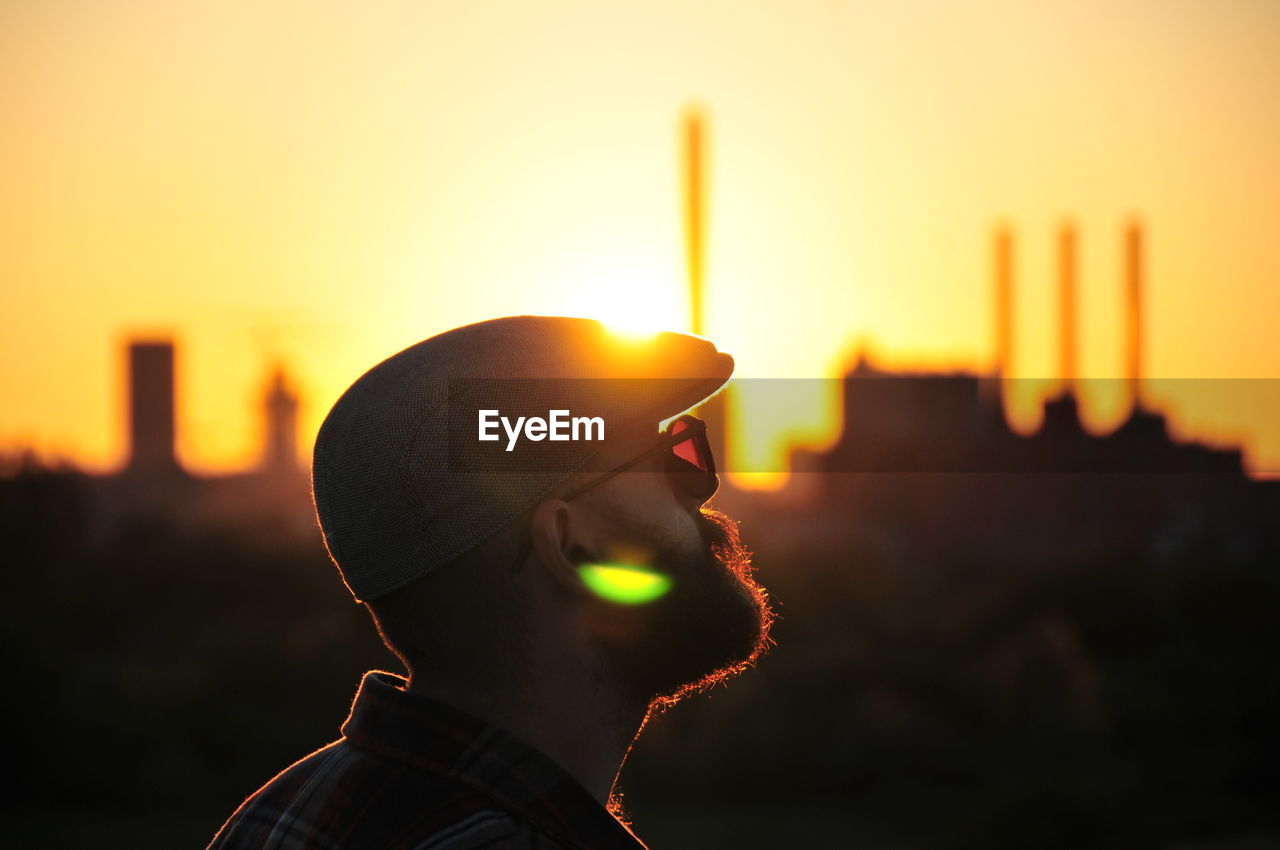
(712,623)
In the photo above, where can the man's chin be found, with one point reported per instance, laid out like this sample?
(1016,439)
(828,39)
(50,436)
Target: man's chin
(713,624)
(734,634)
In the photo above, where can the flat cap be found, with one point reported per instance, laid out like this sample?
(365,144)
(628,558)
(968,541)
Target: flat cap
(402,481)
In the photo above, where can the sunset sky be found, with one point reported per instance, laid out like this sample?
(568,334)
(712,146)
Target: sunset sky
(324,183)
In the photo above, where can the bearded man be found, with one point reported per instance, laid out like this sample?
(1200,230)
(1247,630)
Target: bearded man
(546,591)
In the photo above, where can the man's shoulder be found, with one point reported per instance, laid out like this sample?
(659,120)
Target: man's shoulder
(342,796)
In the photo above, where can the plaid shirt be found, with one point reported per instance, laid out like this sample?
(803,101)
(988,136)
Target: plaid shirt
(412,773)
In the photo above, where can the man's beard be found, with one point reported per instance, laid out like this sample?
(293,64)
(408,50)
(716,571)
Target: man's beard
(712,624)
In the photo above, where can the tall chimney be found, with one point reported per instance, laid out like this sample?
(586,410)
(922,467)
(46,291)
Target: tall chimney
(151,407)
(693,214)
(1067,303)
(1133,300)
(1004,302)
(991,387)
(713,411)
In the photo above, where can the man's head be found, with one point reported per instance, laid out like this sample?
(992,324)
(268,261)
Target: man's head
(491,577)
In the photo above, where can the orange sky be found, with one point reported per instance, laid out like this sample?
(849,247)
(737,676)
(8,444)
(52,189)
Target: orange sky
(329,182)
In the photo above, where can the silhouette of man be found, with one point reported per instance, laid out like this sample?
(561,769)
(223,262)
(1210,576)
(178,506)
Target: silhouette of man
(546,594)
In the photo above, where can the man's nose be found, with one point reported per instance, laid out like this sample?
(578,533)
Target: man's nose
(688,499)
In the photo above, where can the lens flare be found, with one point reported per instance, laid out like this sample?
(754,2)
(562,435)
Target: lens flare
(626,585)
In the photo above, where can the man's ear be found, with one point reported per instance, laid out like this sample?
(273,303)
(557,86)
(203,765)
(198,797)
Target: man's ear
(560,543)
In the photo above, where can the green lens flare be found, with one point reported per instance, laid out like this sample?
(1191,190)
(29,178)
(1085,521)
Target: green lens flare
(626,585)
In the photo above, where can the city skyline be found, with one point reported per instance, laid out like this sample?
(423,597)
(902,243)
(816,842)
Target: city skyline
(259,199)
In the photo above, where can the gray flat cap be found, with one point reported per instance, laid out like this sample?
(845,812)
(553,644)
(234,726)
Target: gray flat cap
(403,483)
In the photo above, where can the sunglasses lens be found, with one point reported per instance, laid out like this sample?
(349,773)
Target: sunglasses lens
(692,451)
(690,465)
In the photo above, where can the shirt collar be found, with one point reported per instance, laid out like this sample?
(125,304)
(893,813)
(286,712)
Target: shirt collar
(432,735)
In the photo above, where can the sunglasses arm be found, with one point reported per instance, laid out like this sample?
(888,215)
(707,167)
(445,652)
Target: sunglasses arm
(669,438)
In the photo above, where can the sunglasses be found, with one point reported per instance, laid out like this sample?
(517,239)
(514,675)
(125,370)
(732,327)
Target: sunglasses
(687,462)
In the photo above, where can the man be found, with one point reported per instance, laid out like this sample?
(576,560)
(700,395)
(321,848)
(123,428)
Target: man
(546,590)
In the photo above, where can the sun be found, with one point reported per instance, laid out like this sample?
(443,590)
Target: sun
(636,325)
(631,297)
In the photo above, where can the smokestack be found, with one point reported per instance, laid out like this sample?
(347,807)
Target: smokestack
(1067,302)
(692,136)
(1133,301)
(991,387)
(1004,302)
(693,214)
(151,407)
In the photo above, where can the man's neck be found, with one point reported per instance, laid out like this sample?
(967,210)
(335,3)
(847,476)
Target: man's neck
(577,721)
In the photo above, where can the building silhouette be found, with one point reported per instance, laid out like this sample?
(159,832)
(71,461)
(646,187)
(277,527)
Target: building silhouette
(927,467)
(152,413)
(270,502)
(280,415)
